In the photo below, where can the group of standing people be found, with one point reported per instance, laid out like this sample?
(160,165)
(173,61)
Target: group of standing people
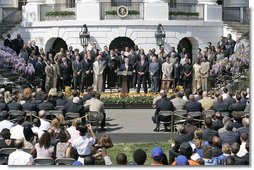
(103,69)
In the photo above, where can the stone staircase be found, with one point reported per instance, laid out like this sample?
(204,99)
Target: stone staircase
(236,29)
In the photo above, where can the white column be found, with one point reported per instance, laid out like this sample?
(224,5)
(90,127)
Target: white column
(1,14)
(155,10)
(212,11)
(88,10)
(31,11)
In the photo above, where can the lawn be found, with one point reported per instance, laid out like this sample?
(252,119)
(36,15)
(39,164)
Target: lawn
(129,148)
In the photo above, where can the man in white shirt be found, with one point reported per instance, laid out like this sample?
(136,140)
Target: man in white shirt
(17,130)
(244,138)
(84,144)
(44,124)
(5,123)
(36,127)
(20,157)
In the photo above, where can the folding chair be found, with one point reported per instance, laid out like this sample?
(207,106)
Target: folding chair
(225,114)
(179,116)
(64,161)
(207,113)
(1,115)
(54,113)
(166,117)
(72,115)
(196,115)
(14,113)
(93,117)
(44,161)
(5,152)
(60,108)
(30,114)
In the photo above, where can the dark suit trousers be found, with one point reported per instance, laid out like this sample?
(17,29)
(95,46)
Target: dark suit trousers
(83,83)
(143,80)
(76,82)
(103,122)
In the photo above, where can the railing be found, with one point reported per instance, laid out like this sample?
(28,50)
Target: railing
(246,15)
(186,11)
(109,11)
(64,11)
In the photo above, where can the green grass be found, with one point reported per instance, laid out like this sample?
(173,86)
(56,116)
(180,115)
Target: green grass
(129,148)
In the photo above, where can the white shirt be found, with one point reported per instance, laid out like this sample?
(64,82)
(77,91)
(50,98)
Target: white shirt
(224,95)
(19,157)
(37,130)
(44,125)
(74,133)
(242,150)
(17,132)
(83,146)
(5,124)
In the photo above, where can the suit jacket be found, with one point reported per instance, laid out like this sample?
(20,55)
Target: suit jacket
(154,69)
(86,97)
(229,101)
(3,106)
(76,67)
(208,134)
(142,68)
(219,106)
(178,103)
(85,65)
(123,68)
(167,69)
(217,124)
(61,102)
(40,70)
(73,107)
(133,60)
(49,73)
(46,105)
(239,161)
(94,53)
(204,69)
(164,105)
(229,137)
(14,106)
(193,106)
(65,71)
(238,106)
(29,106)
(98,68)
(187,68)
(177,70)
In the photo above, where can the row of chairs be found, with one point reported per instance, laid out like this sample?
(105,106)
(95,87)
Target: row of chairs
(179,116)
(39,161)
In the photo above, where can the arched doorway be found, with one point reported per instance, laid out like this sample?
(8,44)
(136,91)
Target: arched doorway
(185,43)
(54,44)
(120,43)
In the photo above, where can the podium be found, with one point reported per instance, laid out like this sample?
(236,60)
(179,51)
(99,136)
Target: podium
(126,76)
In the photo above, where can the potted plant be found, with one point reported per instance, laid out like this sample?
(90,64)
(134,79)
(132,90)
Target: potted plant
(183,15)
(138,102)
(113,102)
(56,15)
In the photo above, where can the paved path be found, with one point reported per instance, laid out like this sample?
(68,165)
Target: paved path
(133,125)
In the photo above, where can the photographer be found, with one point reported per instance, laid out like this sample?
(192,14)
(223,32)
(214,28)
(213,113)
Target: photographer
(83,144)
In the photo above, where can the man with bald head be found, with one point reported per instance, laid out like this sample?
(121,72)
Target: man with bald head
(44,124)
(20,157)
(216,151)
(245,128)
(192,105)
(206,101)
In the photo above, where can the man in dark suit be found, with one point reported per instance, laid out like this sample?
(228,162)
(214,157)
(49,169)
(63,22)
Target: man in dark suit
(8,42)
(14,105)
(229,100)
(142,69)
(19,43)
(154,70)
(88,96)
(74,106)
(238,106)
(192,105)
(208,132)
(163,104)
(29,106)
(61,101)
(229,136)
(181,137)
(76,70)
(217,123)
(94,51)
(219,105)
(133,61)
(126,67)
(235,147)
(216,150)
(35,48)
(177,72)
(45,105)
(86,68)
(65,72)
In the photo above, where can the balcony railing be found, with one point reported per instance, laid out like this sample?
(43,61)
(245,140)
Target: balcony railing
(236,14)
(109,11)
(64,11)
(186,11)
